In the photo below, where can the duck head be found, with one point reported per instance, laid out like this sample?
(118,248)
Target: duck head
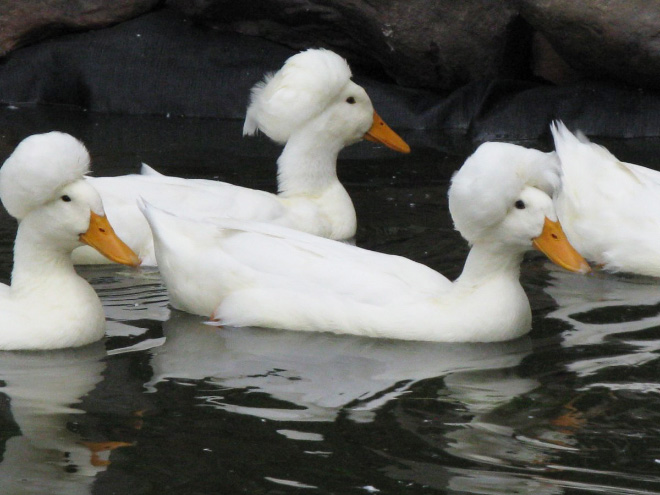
(42,185)
(502,196)
(313,93)
(74,218)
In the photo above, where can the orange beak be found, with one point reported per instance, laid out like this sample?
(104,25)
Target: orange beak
(101,236)
(380,132)
(553,243)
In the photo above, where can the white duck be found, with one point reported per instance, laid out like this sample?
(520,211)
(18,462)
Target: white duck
(249,274)
(310,104)
(48,305)
(610,210)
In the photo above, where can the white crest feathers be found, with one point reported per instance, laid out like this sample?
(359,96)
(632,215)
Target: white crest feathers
(38,168)
(300,90)
(486,186)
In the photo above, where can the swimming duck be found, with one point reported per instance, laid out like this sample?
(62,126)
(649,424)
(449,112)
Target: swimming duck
(47,305)
(310,105)
(609,209)
(251,274)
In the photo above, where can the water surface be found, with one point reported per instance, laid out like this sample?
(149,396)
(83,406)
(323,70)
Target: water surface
(166,404)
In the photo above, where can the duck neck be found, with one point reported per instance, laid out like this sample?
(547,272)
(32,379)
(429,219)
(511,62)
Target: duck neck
(486,261)
(308,164)
(32,257)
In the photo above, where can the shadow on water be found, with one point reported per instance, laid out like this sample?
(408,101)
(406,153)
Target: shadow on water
(166,404)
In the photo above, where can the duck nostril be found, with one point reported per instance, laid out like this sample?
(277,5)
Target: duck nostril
(102,230)
(554,236)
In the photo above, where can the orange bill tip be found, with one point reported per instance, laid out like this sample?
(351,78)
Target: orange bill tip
(101,236)
(553,243)
(380,132)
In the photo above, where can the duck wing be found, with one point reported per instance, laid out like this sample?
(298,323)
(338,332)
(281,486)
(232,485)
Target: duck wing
(242,262)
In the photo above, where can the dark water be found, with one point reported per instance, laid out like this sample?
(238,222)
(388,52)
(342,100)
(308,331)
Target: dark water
(167,405)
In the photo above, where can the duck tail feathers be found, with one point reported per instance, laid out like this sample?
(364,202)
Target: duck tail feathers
(147,170)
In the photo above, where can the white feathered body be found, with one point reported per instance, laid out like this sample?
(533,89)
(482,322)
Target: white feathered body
(249,274)
(59,310)
(262,275)
(328,214)
(48,305)
(610,210)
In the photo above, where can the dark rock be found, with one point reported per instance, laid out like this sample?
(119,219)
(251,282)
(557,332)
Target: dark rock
(163,64)
(157,63)
(25,21)
(547,64)
(613,39)
(435,44)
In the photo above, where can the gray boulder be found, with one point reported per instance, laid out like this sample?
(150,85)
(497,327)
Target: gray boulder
(602,39)
(25,21)
(444,44)
(436,44)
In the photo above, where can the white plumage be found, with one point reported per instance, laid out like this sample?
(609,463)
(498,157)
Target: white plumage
(249,274)
(482,199)
(48,305)
(39,167)
(302,89)
(610,210)
(312,105)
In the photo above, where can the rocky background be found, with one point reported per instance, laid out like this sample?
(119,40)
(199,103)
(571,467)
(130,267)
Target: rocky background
(472,54)
(23,22)
(432,44)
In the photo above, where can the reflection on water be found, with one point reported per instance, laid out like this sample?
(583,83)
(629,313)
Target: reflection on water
(44,390)
(167,404)
(619,313)
(317,376)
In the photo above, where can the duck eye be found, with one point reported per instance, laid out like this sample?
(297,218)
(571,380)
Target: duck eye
(66,198)
(520,204)
(350,100)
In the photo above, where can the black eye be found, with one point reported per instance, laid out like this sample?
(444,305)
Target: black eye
(66,198)
(350,100)
(520,204)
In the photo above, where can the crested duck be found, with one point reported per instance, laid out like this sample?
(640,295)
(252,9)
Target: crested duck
(251,274)
(313,107)
(48,305)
